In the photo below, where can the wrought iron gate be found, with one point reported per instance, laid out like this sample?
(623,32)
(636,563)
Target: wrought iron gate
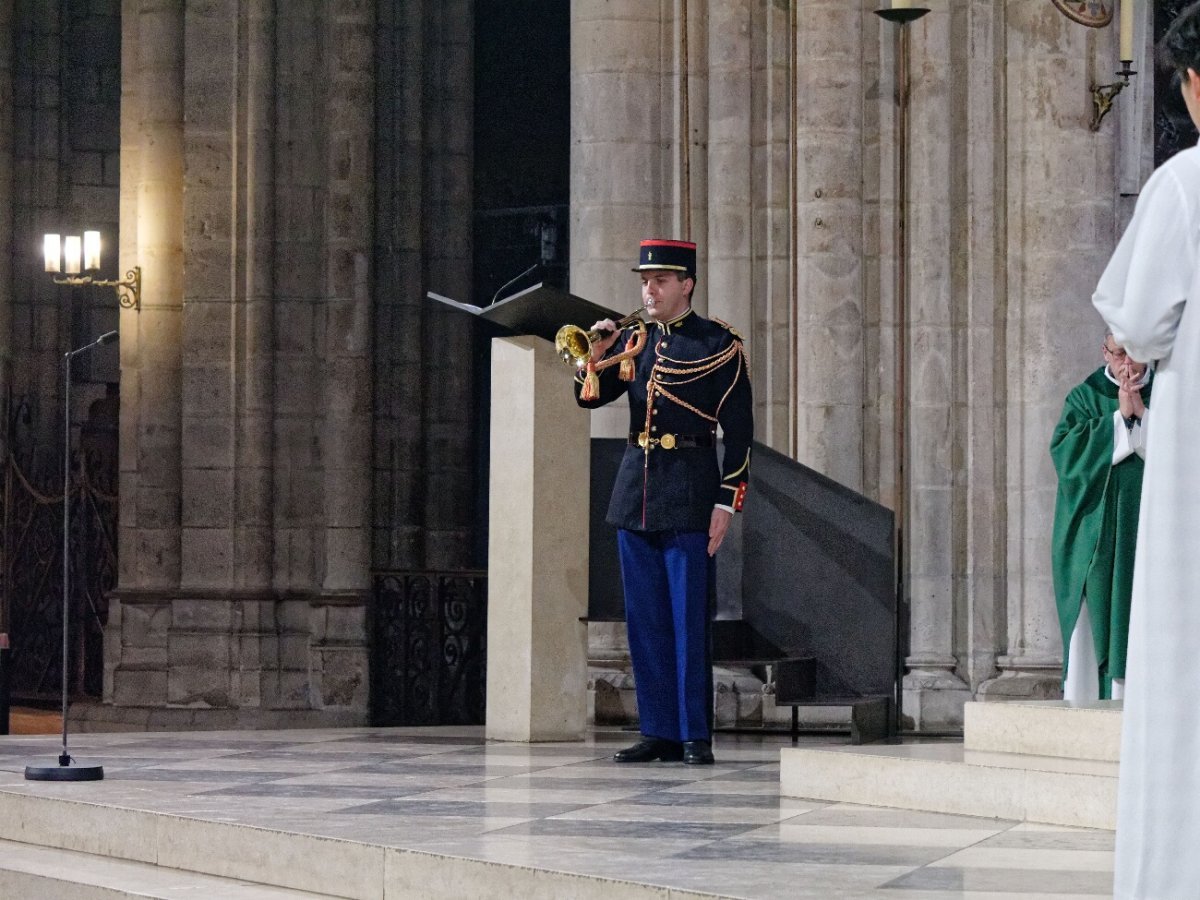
(428,659)
(31,564)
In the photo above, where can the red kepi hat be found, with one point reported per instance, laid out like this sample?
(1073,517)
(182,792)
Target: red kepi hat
(678,256)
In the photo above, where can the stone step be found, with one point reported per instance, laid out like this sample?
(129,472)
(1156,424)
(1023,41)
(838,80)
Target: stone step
(1045,728)
(131,844)
(943,777)
(44,873)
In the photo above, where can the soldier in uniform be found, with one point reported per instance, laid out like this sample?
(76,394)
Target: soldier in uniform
(672,503)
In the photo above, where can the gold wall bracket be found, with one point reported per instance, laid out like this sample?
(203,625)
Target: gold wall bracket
(128,289)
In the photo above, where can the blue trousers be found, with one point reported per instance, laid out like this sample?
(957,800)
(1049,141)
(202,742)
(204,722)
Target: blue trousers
(666,575)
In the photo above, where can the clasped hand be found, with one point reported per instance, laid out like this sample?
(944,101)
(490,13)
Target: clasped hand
(1129,393)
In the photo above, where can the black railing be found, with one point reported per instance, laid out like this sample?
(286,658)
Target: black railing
(428,656)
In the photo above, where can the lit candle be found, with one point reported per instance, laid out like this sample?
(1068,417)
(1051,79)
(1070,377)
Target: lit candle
(1127,30)
(91,250)
(71,250)
(52,250)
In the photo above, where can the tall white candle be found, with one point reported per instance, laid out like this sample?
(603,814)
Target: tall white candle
(71,251)
(91,250)
(52,251)
(1127,12)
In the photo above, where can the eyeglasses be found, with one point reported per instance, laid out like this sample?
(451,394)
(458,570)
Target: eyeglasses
(1118,353)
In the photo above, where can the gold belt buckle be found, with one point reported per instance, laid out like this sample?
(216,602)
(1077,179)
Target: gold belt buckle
(643,440)
(667,442)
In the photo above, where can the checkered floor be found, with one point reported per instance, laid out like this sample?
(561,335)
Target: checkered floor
(722,829)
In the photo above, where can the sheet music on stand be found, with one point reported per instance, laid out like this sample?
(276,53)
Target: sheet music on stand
(539,310)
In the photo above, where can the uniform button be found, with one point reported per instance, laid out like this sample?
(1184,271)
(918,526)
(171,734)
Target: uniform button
(662,345)
(654,428)
(654,412)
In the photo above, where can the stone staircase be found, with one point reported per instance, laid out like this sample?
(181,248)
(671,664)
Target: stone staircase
(1036,761)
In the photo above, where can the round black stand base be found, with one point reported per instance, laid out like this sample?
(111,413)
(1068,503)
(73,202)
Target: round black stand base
(68,771)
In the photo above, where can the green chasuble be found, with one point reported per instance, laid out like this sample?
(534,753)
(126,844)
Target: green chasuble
(1095,523)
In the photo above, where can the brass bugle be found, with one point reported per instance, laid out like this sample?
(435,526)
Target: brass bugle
(574,345)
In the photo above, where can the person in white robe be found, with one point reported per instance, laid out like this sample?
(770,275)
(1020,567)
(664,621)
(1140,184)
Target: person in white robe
(1150,297)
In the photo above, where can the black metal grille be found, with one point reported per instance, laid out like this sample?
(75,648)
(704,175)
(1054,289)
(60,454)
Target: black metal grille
(428,658)
(31,567)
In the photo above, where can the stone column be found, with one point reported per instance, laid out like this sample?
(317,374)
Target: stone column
(346,438)
(623,112)
(152,107)
(298,280)
(399,289)
(764,306)
(227,330)
(448,225)
(829,298)
(732,115)
(151,349)
(1061,231)
(978,50)
(938,207)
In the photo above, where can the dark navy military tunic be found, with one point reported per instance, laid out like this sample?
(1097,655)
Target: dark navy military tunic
(700,378)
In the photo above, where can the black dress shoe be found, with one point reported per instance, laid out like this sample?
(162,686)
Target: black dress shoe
(698,753)
(650,749)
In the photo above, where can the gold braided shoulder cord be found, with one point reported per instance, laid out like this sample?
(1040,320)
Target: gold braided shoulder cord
(697,369)
(708,365)
(732,384)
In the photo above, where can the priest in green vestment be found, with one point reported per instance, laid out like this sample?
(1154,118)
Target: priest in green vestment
(1098,448)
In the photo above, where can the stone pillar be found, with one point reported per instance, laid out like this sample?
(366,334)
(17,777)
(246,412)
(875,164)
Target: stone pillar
(346,437)
(149,554)
(829,248)
(151,347)
(227,316)
(298,278)
(937,195)
(977,36)
(449,349)
(538,549)
(399,289)
(624,152)
(764,307)
(1061,231)
(730,188)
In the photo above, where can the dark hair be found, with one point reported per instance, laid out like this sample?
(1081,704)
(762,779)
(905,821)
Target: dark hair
(1179,48)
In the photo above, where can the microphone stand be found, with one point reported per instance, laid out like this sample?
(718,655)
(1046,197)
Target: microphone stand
(68,769)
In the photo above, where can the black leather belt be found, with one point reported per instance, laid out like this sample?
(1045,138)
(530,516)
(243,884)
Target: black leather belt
(671,441)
